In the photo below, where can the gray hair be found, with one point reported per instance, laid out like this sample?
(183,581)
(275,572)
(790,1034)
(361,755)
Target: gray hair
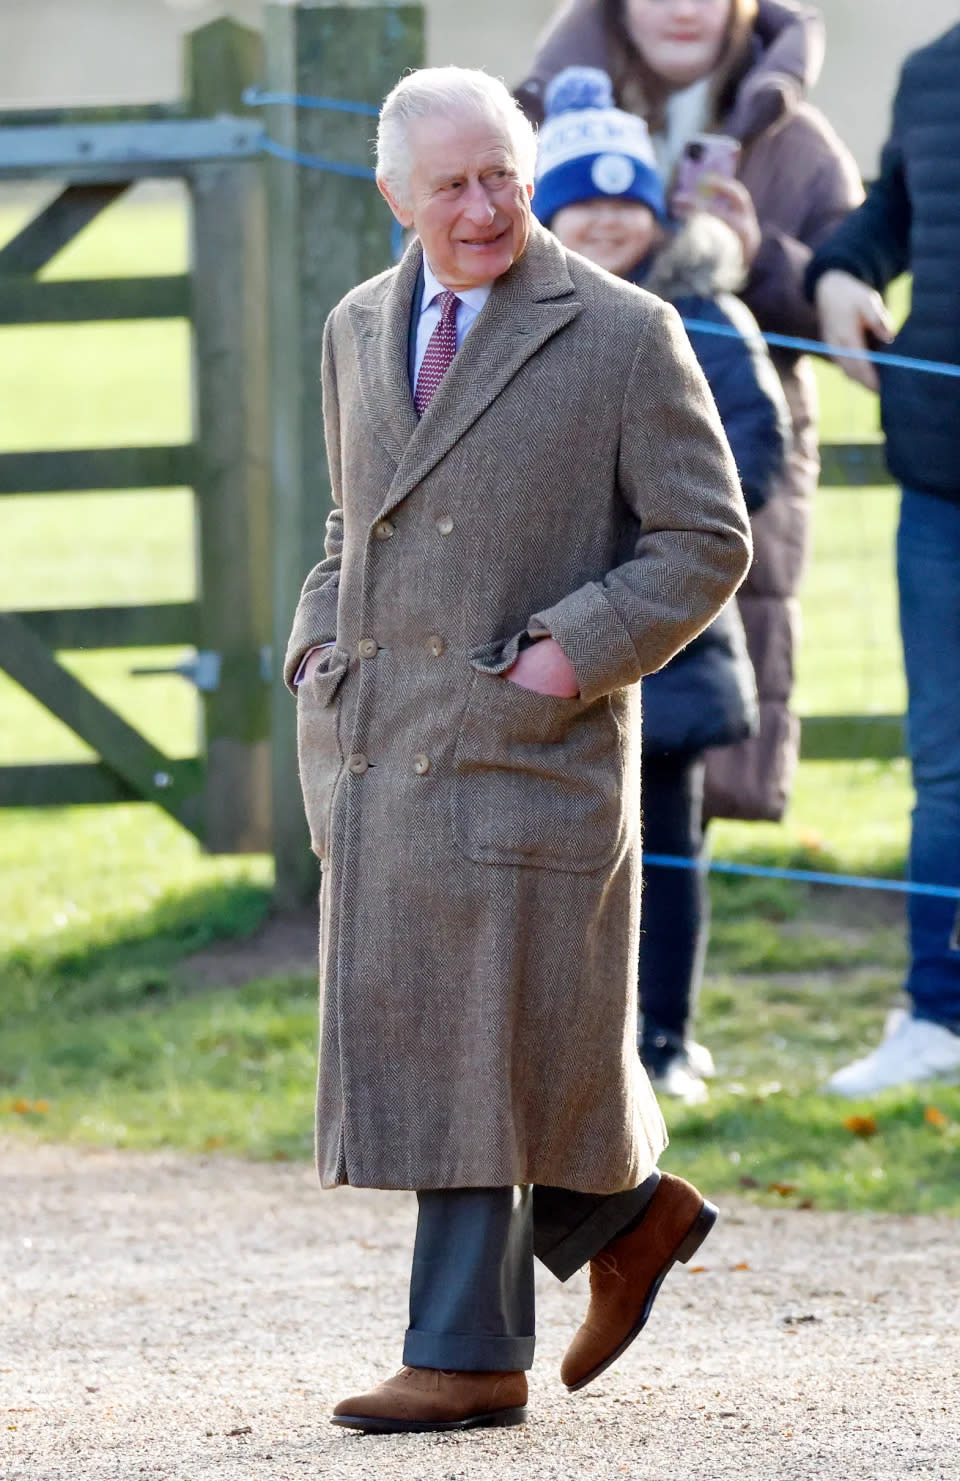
(449,92)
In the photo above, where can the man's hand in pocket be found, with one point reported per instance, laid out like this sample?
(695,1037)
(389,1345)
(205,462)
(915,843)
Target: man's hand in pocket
(546,669)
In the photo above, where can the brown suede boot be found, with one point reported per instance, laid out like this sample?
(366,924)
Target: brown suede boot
(626,1276)
(433,1399)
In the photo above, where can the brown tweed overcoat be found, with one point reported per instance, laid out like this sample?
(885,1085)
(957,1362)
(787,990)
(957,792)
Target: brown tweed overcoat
(480,897)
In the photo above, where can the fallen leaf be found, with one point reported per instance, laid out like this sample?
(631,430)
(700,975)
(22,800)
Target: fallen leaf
(784,1189)
(246,1429)
(21,1107)
(742,1266)
(862,1125)
(697,1269)
(935,1117)
(806,1203)
(748,1182)
(213,1142)
(796,1321)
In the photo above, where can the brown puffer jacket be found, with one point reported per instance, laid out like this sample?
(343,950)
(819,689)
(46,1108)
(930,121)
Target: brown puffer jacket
(803,182)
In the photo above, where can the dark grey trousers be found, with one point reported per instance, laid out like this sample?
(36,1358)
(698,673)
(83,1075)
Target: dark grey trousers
(471,1285)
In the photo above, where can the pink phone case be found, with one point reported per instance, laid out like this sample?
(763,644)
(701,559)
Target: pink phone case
(705,154)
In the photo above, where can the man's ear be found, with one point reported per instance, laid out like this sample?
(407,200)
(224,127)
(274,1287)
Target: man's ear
(404,216)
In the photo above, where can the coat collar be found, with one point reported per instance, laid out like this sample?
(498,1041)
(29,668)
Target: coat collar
(528,305)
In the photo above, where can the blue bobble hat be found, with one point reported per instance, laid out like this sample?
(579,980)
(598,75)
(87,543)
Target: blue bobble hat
(588,149)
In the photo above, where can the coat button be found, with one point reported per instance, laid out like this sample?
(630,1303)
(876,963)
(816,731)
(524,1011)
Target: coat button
(445,524)
(367,648)
(383,529)
(357,763)
(435,645)
(421,765)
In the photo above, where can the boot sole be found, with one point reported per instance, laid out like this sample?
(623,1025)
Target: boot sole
(684,1251)
(497,1419)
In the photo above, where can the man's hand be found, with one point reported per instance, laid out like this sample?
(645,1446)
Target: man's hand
(312,662)
(546,669)
(849,309)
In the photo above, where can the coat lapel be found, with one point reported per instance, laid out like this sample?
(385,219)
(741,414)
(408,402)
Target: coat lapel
(383,338)
(528,305)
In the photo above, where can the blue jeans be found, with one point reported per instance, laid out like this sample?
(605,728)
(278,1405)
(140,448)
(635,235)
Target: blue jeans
(928,573)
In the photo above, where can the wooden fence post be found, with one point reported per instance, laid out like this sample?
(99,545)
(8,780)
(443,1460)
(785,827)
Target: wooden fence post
(327,233)
(233,460)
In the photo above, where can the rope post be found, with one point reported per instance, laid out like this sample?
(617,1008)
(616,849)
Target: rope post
(327,233)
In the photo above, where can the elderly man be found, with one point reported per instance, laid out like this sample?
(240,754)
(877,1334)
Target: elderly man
(534,505)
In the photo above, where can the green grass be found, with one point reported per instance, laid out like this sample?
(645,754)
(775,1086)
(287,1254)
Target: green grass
(108,1038)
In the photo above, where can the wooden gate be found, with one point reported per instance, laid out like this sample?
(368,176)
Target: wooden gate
(223,795)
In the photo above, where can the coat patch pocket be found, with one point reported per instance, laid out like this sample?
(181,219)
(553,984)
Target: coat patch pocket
(319,750)
(537,780)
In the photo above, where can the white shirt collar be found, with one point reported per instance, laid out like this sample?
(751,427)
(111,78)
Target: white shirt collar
(474,298)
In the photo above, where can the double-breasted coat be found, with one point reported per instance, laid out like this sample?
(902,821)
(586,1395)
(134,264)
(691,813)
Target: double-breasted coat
(480,844)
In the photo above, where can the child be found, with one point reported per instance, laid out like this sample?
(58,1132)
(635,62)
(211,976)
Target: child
(598,190)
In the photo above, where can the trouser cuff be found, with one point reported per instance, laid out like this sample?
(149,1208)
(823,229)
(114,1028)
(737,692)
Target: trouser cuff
(612,1217)
(462,1353)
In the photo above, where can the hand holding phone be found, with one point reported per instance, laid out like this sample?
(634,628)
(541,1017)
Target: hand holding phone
(706,180)
(705,155)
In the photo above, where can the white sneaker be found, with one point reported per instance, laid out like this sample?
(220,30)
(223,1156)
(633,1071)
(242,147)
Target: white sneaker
(913,1050)
(680,1081)
(699,1059)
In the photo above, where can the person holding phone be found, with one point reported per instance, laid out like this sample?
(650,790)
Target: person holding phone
(693,70)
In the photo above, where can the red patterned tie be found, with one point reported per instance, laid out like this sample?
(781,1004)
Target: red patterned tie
(439,353)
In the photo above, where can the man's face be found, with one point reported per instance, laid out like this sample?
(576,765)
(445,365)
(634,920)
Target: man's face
(466,200)
(615,233)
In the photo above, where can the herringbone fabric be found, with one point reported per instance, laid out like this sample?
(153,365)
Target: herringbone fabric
(438,356)
(480,897)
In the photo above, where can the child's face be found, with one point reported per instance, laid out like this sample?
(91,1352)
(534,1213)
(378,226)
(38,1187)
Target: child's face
(615,233)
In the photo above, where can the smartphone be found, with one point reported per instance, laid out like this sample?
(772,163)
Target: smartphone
(705,154)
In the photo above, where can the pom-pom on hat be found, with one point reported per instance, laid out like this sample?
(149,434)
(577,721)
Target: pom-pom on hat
(588,149)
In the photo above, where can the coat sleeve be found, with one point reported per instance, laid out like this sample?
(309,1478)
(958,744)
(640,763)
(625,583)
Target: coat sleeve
(775,292)
(749,397)
(677,476)
(315,620)
(874,242)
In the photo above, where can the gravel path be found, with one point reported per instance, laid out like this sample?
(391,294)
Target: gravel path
(166,1318)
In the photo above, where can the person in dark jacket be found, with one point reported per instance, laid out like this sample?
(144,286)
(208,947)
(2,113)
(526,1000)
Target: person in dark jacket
(910,221)
(598,189)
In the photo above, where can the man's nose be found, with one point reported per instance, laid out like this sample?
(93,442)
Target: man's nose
(477,205)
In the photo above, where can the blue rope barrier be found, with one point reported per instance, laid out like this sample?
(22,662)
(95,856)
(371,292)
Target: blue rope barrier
(258,97)
(805,876)
(819,347)
(332,167)
(315,161)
